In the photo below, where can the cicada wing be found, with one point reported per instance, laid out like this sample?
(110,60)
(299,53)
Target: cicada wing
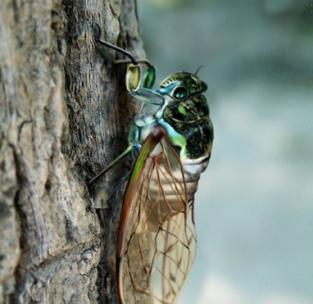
(157,238)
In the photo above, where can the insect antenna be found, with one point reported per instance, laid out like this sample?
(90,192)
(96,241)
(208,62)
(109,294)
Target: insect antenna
(198,69)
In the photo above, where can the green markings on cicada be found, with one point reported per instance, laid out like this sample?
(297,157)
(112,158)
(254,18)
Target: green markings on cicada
(190,118)
(149,77)
(182,110)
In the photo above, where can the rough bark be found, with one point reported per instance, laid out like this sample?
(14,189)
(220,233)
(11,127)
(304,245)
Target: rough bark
(64,115)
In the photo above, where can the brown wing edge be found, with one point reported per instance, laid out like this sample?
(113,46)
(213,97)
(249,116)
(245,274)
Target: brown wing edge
(149,144)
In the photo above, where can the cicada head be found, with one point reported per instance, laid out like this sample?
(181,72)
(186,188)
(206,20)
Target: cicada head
(182,85)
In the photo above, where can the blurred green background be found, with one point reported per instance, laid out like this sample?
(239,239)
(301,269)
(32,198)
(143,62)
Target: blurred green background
(254,207)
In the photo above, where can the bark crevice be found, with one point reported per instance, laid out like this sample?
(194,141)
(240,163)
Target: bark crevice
(64,115)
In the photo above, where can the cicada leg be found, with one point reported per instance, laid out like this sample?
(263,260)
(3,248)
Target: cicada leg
(139,82)
(114,162)
(97,33)
(148,78)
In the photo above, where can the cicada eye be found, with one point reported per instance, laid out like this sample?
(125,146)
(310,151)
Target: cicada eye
(180,93)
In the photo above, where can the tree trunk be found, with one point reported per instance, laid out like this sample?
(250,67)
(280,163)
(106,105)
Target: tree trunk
(64,116)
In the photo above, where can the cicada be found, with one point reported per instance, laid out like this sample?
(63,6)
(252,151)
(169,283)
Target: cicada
(170,140)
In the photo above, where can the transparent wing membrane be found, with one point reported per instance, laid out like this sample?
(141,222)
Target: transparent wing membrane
(159,240)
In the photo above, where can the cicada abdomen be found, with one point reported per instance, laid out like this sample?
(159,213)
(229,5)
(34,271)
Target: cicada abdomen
(157,246)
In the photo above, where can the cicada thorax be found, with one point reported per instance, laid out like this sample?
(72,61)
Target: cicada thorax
(190,118)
